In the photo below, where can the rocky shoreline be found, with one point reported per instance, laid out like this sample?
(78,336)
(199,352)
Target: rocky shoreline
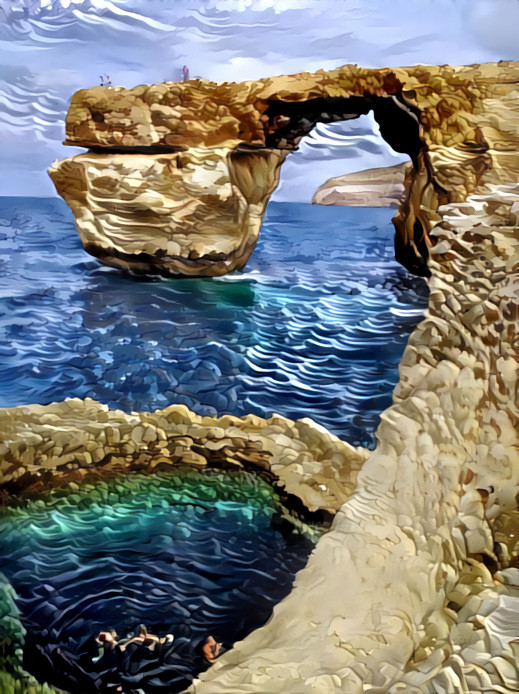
(430,516)
(417,559)
(45,446)
(397,595)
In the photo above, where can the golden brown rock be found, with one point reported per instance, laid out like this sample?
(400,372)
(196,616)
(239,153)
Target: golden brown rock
(190,213)
(399,594)
(439,115)
(43,446)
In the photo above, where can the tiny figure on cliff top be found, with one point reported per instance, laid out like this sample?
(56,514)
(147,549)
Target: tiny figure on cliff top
(185,73)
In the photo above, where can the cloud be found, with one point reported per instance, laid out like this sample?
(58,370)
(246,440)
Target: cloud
(495,25)
(413,45)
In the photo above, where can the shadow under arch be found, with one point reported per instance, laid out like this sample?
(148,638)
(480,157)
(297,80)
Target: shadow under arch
(286,122)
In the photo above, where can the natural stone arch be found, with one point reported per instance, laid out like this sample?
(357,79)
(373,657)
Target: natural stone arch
(167,189)
(287,122)
(395,595)
(249,173)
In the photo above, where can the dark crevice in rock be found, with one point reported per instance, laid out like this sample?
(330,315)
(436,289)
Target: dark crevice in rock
(160,263)
(110,149)
(287,122)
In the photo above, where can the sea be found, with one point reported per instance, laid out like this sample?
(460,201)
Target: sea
(314,326)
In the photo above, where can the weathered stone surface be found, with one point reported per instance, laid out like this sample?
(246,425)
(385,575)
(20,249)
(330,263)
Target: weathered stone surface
(190,213)
(42,446)
(396,597)
(442,116)
(202,113)
(383,187)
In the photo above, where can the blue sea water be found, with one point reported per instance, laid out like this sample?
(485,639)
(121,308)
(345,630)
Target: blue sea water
(314,327)
(191,555)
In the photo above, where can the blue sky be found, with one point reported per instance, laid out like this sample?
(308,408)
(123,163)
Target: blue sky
(51,48)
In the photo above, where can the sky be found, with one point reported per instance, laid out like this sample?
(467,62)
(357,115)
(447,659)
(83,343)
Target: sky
(51,48)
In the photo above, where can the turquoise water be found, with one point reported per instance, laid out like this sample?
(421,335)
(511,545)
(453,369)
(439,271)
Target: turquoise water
(315,326)
(189,555)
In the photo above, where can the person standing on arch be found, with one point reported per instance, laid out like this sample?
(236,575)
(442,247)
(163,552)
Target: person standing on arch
(185,73)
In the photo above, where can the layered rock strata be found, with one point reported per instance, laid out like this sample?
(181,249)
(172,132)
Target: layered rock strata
(399,594)
(43,446)
(382,187)
(192,213)
(435,114)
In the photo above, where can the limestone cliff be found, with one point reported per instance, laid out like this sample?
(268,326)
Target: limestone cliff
(439,115)
(396,596)
(383,187)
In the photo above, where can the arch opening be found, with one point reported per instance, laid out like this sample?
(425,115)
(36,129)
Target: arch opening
(288,122)
(347,163)
(339,309)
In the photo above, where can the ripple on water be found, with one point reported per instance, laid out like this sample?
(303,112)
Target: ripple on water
(315,326)
(190,555)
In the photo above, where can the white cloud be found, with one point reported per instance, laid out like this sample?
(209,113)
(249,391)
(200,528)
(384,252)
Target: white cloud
(495,24)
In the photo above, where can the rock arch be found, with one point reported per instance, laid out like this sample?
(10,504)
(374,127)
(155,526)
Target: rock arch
(178,175)
(287,122)
(396,594)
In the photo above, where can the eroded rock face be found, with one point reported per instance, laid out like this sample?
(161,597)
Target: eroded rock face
(436,114)
(43,446)
(382,187)
(396,597)
(190,213)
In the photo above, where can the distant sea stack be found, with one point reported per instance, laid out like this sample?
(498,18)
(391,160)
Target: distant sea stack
(380,187)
